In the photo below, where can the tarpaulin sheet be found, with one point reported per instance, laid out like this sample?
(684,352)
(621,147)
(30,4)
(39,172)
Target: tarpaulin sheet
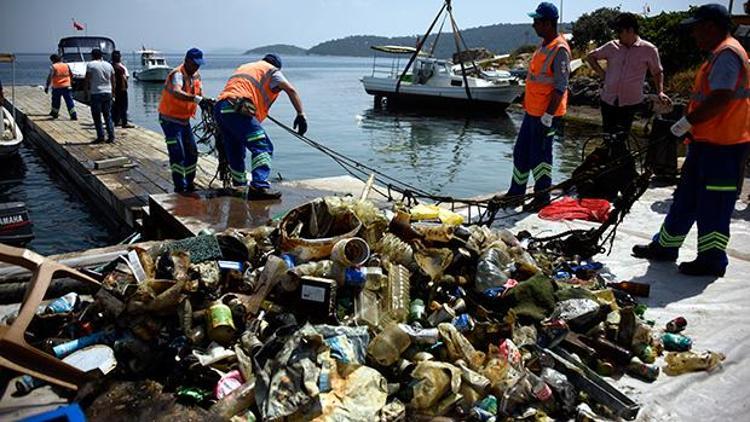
(717,311)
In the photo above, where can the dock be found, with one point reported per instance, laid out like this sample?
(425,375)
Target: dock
(140,183)
(121,192)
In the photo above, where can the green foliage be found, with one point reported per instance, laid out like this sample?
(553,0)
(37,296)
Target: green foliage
(594,27)
(283,49)
(676,47)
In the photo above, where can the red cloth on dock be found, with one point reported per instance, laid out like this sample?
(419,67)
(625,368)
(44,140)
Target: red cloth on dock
(577,209)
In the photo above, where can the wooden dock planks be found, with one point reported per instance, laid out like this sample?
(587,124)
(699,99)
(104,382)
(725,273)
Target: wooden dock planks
(118,192)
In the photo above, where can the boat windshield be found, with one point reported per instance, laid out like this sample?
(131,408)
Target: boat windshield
(76,49)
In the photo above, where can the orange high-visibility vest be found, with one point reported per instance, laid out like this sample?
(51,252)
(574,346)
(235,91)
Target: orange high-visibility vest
(176,108)
(540,82)
(61,75)
(732,126)
(252,81)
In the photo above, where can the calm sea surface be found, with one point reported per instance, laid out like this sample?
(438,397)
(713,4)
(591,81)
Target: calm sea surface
(460,156)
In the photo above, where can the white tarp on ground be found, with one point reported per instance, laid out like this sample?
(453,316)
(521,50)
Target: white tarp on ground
(717,311)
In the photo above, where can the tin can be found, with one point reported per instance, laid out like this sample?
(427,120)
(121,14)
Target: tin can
(676,325)
(28,383)
(676,342)
(220,323)
(463,323)
(640,370)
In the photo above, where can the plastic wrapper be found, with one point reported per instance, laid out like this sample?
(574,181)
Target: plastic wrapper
(459,346)
(433,261)
(491,269)
(682,362)
(432,381)
(574,308)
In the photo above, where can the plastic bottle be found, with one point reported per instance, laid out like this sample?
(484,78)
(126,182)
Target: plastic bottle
(562,387)
(62,304)
(387,346)
(235,402)
(490,269)
(396,301)
(416,310)
(67,348)
(396,250)
(539,389)
(680,363)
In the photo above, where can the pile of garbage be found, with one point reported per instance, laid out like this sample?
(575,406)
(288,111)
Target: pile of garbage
(341,311)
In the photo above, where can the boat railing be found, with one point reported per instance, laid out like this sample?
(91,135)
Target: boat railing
(388,67)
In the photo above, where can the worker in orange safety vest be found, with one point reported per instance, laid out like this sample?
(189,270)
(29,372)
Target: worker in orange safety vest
(718,125)
(241,108)
(545,102)
(61,79)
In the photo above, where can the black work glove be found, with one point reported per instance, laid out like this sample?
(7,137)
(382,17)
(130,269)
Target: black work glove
(300,124)
(206,103)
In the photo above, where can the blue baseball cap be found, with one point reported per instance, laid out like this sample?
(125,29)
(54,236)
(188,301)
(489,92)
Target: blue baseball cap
(715,13)
(274,59)
(195,55)
(545,10)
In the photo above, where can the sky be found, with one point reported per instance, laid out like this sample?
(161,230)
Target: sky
(33,26)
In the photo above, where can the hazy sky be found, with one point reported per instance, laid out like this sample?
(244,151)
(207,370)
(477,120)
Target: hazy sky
(174,25)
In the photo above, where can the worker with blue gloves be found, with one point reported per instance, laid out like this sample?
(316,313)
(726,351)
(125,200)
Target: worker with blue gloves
(241,108)
(545,102)
(180,98)
(718,121)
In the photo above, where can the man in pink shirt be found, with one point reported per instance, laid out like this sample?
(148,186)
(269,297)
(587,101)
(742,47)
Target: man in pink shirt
(628,59)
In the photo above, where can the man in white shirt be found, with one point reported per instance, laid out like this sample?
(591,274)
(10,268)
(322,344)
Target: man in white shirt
(99,86)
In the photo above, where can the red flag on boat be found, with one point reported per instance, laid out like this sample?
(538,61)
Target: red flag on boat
(78,26)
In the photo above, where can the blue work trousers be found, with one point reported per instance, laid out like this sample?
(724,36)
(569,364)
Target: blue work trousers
(66,94)
(241,132)
(101,104)
(532,154)
(183,154)
(706,194)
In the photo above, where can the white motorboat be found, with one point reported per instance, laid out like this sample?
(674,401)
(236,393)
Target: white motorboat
(76,52)
(435,82)
(154,67)
(11,136)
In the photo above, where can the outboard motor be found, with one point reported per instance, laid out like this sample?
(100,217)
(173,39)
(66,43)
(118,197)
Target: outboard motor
(15,226)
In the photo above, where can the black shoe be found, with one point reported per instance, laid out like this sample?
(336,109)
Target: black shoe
(654,252)
(127,126)
(74,117)
(697,268)
(111,140)
(53,115)
(262,193)
(98,141)
(536,204)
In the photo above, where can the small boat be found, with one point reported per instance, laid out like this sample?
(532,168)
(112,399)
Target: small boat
(11,136)
(76,52)
(437,82)
(15,225)
(154,67)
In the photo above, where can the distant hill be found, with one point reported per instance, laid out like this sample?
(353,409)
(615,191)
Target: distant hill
(285,49)
(500,38)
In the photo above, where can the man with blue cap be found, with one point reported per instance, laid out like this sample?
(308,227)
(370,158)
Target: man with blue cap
(717,124)
(545,102)
(180,98)
(241,108)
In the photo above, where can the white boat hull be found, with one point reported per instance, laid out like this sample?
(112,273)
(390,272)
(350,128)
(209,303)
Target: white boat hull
(153,75)
(498,96)
(11,136)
